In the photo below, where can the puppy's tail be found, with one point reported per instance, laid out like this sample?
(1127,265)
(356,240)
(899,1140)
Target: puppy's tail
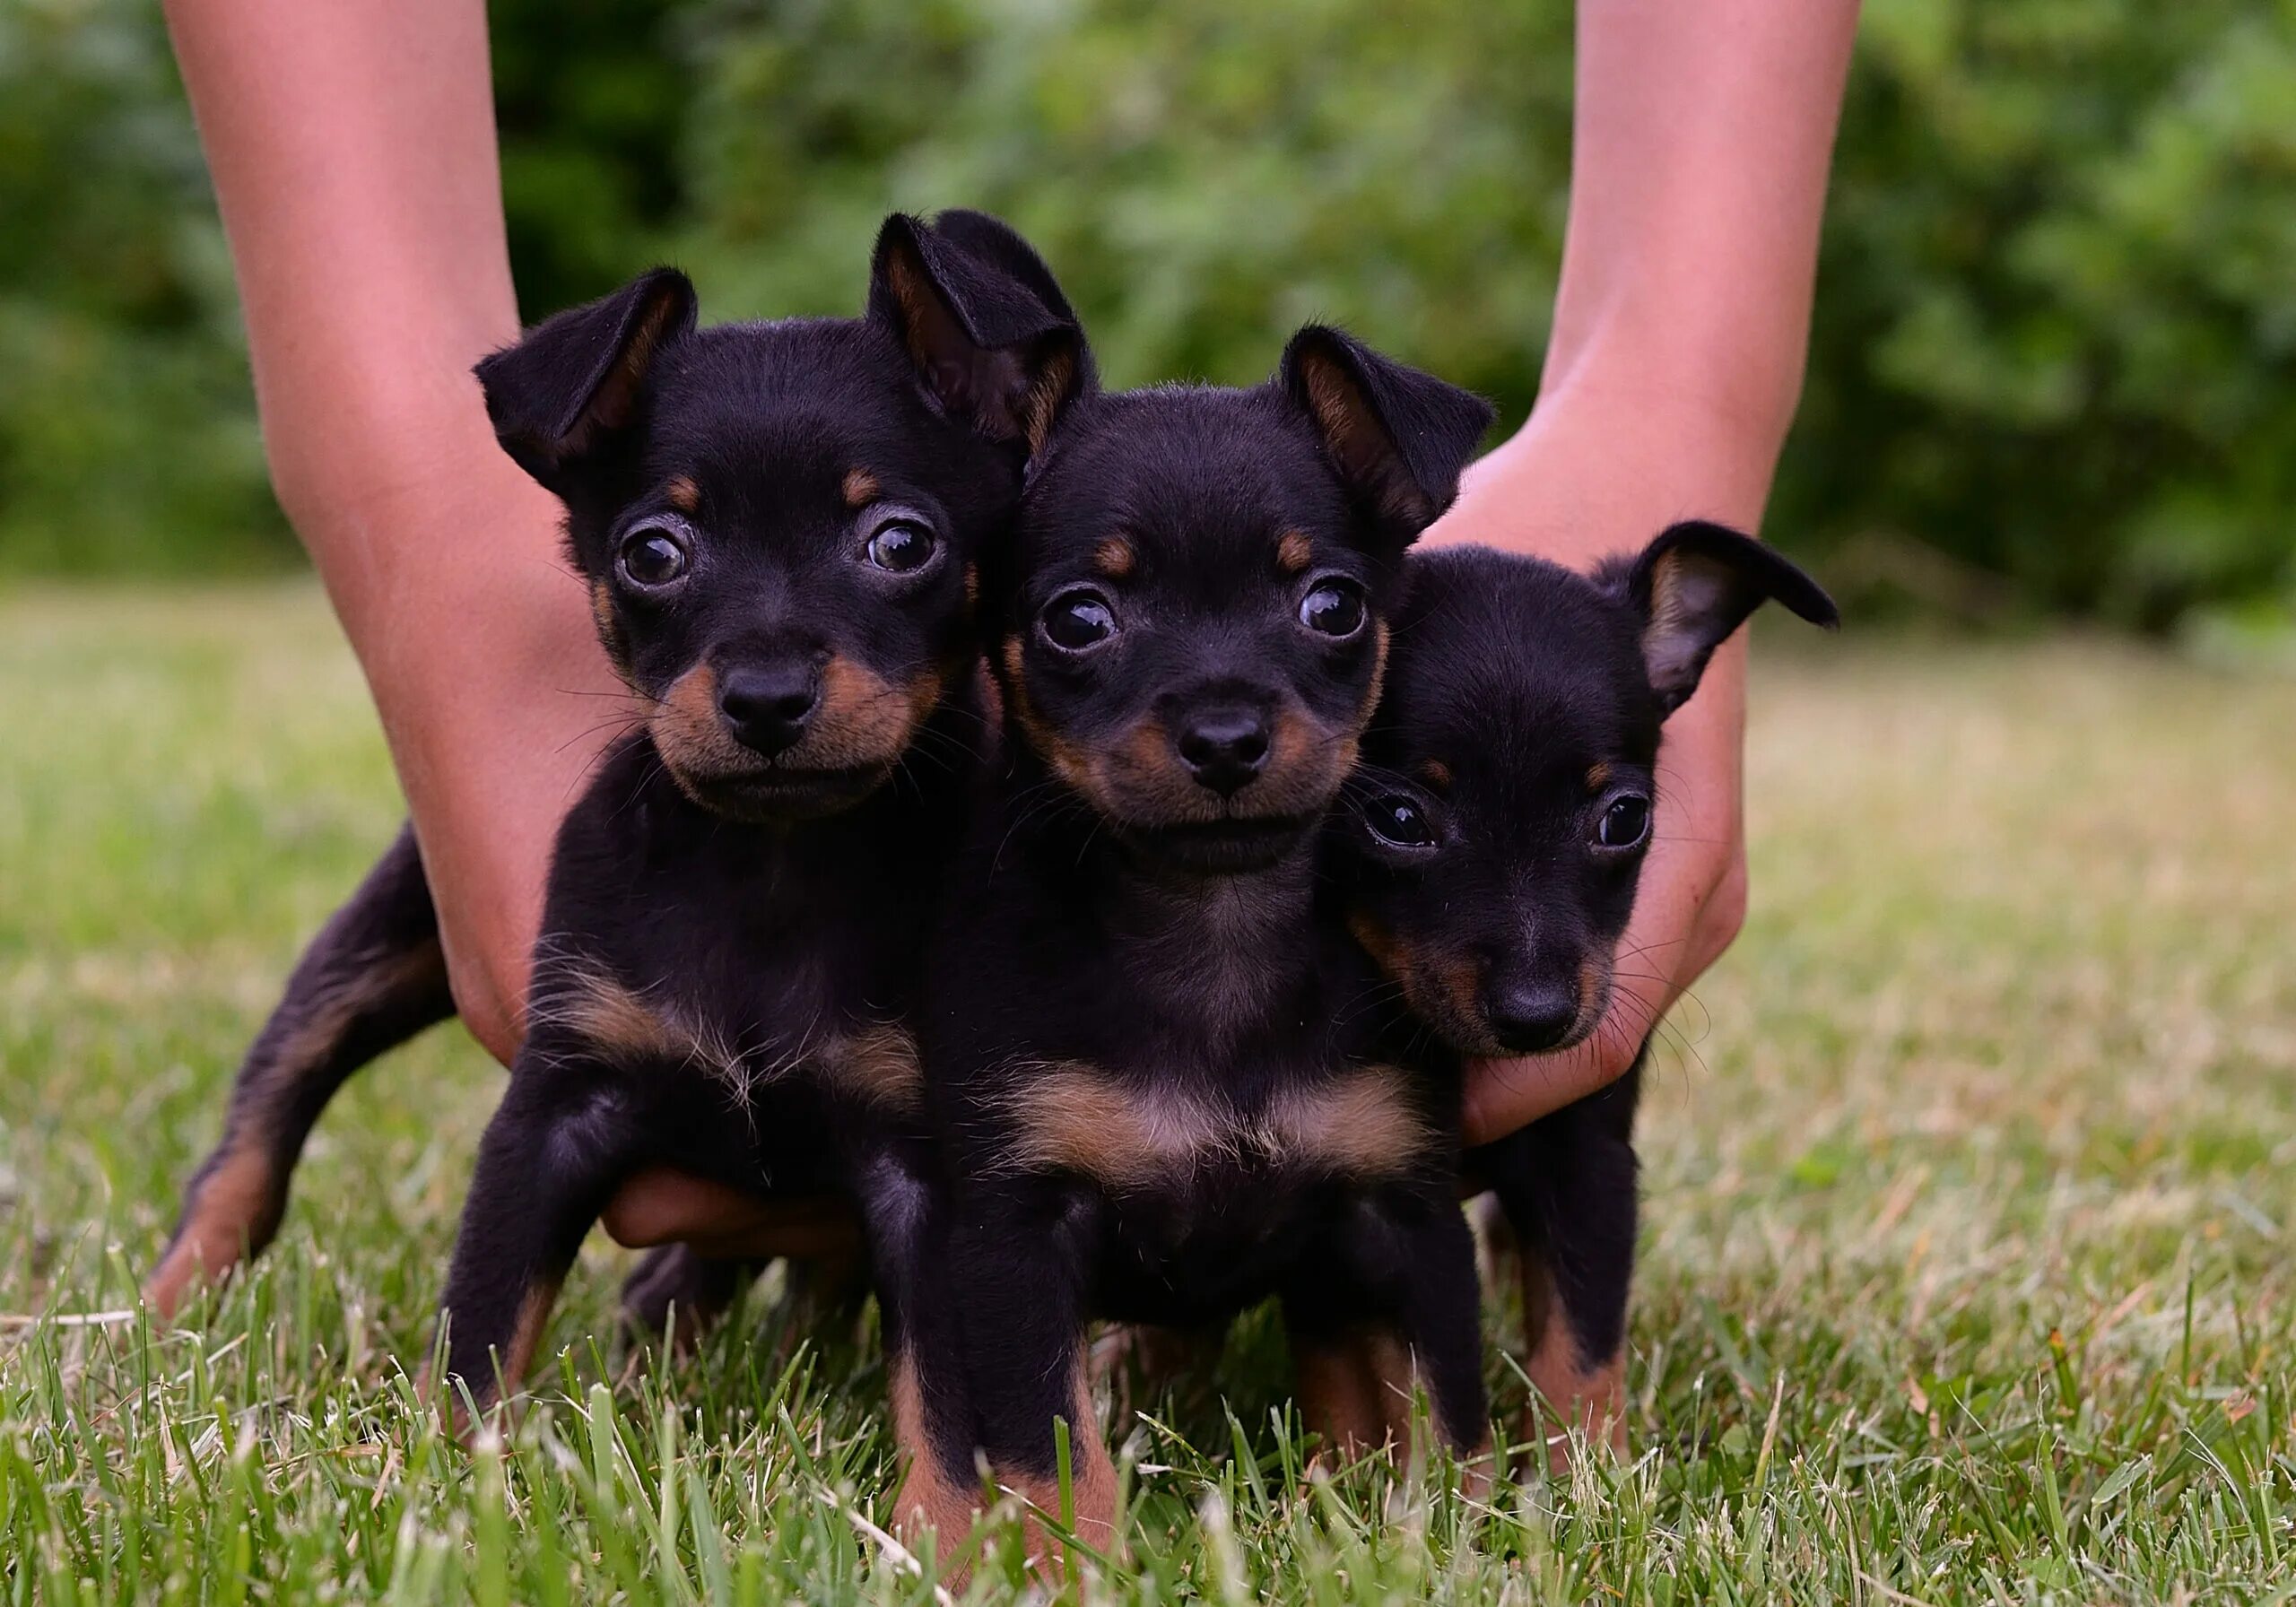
(373,977)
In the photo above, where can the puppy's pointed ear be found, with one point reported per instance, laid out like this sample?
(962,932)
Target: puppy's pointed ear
(1694,586)
(1398,438)
(991,240)
(576,377)
(986,347)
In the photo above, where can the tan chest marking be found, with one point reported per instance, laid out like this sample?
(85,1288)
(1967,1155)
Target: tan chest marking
(876,1064)
(1070,1117)
(622,1025)
(1361,1124)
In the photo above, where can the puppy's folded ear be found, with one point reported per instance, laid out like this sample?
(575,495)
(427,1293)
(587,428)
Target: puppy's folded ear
(991,338)
(577,377)
(1398,438)
(1694,586)
(991,240)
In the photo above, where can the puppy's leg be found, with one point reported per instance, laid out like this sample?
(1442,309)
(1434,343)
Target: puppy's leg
(1348,1378)
(372,978)
(562,1139)
(700,1289)
(1136,1362)
(1401,1302)
(907,1217)
(1568,1183)
(1016,1286)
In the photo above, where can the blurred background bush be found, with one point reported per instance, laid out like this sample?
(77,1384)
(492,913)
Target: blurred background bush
(2053,367)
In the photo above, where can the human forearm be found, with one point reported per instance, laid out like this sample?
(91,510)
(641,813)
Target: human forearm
(1703,136)
(353,150)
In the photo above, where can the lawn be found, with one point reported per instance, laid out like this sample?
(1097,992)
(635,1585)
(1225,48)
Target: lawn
(1971,1181)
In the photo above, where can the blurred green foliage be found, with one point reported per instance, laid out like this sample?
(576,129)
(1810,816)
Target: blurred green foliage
(127,436)
(2055,359)
(2057,337)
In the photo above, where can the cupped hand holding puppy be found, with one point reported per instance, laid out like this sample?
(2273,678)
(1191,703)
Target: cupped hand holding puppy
(1700,144)
(1692,898)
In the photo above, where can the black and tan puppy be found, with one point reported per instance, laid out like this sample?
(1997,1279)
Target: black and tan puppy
(1489,855)
(1161,1096)
(778,523)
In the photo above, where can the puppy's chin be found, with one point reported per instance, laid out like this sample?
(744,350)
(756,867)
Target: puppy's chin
(1228,846)
(1474,1040)
(778,796)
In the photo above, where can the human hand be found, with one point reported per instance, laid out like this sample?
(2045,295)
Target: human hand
(663,1206)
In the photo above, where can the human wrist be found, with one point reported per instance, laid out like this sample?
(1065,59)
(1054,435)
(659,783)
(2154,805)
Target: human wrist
(1600,467)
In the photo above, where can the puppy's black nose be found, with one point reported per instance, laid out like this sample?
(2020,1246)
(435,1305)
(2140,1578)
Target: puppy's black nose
(1530,1016)
(767,707)
(1224,748)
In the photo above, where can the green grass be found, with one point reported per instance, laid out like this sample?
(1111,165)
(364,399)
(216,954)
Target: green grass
(1971,1184)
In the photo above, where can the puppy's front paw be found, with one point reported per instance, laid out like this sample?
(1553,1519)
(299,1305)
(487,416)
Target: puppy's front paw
(700,1290)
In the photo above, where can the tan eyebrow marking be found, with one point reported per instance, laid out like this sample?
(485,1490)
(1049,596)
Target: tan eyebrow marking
(1598,778)
(1115,557)
(1294,551)
(1435,774)
(682,493)
(860,488)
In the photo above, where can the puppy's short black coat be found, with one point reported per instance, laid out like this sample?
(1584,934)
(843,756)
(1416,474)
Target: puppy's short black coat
(1489,855)
(1160,1091)
(779,524)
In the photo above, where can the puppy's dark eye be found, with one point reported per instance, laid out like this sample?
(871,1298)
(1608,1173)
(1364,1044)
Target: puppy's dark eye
(1625,824)
(1401,822)
(1332,608)
(903,547)
(1078,620)
(653,556)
